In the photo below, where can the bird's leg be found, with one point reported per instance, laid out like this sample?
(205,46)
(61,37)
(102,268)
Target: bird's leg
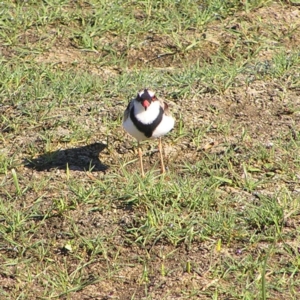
(163,170)
(141,159)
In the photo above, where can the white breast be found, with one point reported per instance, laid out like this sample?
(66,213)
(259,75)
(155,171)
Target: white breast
(166,125)
(149,115)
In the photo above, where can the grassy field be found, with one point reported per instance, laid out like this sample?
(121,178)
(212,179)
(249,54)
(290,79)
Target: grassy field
(76,219)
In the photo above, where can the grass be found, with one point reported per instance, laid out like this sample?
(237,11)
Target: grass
(78,221)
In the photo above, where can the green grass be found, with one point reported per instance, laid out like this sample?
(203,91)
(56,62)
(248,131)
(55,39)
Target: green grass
(78,221)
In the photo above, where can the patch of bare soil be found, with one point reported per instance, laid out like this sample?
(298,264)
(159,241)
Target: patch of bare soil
(274,26)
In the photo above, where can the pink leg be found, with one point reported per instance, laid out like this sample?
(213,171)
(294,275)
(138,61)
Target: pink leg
(141,160)
(163,170)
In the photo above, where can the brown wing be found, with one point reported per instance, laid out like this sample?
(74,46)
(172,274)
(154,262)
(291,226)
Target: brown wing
(165,107)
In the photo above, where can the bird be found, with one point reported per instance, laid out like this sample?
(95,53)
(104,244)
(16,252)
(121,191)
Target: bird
(148,117)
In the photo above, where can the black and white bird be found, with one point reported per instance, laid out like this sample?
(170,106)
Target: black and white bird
(147,117)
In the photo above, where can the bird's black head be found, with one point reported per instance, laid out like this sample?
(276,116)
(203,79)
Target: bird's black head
(145,97)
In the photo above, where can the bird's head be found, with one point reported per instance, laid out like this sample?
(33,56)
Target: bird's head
(145,97)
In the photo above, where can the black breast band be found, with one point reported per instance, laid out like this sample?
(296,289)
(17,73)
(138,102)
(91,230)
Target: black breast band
(147,129)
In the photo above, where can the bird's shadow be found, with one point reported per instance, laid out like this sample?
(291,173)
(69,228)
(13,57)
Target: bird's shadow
(84,158)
